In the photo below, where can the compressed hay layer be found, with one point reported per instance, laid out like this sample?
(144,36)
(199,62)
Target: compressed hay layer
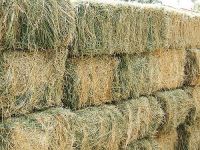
(44,130)
(105,127)
(144,74)
(89,81)
(192,68)
(40,24)
(144,144)
(167,141)
(177,105)
(30,80)
(108,28)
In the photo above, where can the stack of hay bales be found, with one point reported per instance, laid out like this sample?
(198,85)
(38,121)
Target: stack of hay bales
(120,67)
(33,40)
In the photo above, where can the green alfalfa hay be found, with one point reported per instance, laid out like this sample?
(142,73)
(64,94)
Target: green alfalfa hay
(106,28)
(143,74)
(30,81)
(40,24)
(177,105)
(144,144)
(50,129)
(89,81)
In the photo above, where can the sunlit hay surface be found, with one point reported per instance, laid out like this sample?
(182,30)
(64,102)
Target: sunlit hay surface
(38,24)
(144,74)
(167,141)
(89,81)
(192,68)
(105,127)
(121,27)
(177,105)
(30,80)
(45,130)
(144,144)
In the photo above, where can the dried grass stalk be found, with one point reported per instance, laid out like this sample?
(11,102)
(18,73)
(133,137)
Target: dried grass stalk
(106,127)
(44,130)
(192,67)
(144,74)
(39,24)
(177,105)
(167,141)
(89,81)
(144,144)
(120,27)
(30,80)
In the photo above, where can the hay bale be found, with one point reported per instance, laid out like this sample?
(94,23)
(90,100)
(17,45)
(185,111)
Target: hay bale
(121,27)
(89,81)
(44,130)
(30,80)
(105,127)
(144,74)
(177,105)
(41,24)
(143,118)
(167,141)
(192,68)
(144,144)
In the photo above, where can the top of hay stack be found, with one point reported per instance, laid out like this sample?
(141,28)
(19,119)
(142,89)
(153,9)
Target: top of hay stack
(126,27)
(39,24)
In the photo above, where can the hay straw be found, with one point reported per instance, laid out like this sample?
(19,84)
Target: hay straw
(89,81)
(167,141)
(177,105)
(144,74)
(192,67)
(120,27)
(30,80)
(144,144)
(106,127)
(44,130)
(40,24)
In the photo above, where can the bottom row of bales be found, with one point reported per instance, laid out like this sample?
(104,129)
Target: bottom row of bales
(106,127)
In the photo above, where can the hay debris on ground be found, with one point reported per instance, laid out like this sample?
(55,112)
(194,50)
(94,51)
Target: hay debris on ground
(144,144)
(121,27)
(144,74)
(106,127)
(30,81)
(177,105)
(192,68)
(89,81)
(167,141)
(41,24)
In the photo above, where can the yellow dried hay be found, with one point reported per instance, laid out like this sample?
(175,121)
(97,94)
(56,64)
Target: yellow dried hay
(144,74)
(30,80)
(89,81)
(44,130)
(193,67)
(120,27)
(177,105)
(106,127)
(167,141)
(144,144)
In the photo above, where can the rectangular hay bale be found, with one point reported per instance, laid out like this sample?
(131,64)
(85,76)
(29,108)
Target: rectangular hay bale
(144,74)
(105,127)
(177,105)
(30,80)
(121,27)
(89,81)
